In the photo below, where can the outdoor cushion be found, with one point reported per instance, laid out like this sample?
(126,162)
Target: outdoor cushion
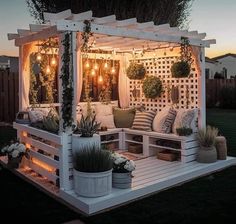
(160,119)
(106,120)
(103,109)
(143,120)
(185,118)
(123,118)
(169,120)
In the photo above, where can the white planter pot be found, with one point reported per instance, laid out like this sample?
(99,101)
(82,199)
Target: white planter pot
(121,180)
(92,184)
(207,155)
(80,142)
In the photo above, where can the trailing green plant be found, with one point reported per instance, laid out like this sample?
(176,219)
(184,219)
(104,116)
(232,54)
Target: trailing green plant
(136,71)
(207,136)
(91,159)
(152,87)
(182,68)
(67,82)
(88,126)
(184,131)
(86,35)
(51,122)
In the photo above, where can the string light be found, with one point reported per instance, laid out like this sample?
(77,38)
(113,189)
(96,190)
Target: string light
(48,70)
(100,78)
(39,56)
(95,66)
(105,65)
(87,65)
(53,61)
(113,70)
(93,72)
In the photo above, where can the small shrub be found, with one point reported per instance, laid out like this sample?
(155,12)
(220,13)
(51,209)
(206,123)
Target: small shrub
(207,136)
(91,159)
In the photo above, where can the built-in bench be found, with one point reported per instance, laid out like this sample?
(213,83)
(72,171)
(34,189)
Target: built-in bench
(152,142)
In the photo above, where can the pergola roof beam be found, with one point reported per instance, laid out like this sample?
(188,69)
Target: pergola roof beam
(82,16)
(105,20)
(37,27)
(12,36)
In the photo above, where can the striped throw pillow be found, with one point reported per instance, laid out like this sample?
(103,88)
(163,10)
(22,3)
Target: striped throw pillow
(169,121)
(143,120)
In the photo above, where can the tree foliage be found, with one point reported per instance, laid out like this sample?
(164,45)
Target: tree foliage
(174,12)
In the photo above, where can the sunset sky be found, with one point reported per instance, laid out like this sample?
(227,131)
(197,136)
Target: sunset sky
(215,17)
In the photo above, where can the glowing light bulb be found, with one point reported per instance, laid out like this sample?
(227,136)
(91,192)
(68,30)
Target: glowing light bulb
(96,66)
(53,62)
(100,78)
(48,69)
(105,65)
(87,65)
(93,72)
(113,70)
(39,57)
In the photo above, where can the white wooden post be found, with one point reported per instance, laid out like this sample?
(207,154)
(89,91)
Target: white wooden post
(65,164)
(202,91)
(20,78)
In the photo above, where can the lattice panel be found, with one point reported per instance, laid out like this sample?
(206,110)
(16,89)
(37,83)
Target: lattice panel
(161,67)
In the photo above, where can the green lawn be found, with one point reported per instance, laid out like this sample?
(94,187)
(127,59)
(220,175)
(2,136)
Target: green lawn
(225,120)
(207,199)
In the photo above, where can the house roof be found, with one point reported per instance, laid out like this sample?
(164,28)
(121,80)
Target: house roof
(210,60)
(224,56)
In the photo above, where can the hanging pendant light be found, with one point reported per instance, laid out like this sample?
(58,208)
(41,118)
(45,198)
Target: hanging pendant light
(53,61)
(100,78)
(87,65)
(48,70)
(93,73)
(95,66)
(39,57)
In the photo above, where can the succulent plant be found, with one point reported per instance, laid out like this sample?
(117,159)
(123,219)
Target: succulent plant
(51,122)
(87,126)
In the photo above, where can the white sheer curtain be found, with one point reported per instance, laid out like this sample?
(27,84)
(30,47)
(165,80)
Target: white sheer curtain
(25,75)
(123,86)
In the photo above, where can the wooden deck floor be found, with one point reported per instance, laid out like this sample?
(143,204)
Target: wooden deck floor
(151,175)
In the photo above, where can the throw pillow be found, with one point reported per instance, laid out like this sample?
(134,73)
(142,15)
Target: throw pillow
(160,119)
(106,120)
(103,109)
(123,118)
(170,118)
(184,118)
(35,116)
(143,120)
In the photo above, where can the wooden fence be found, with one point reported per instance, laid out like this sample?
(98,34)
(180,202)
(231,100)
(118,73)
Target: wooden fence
(213,87)
(9,100)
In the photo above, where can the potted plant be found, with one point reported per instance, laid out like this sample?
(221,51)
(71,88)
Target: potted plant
(92,172)
(182,68)
(15,153)
(85,133)
(136,71)
(207,152)
(122,171)
(152,87)
(184,131)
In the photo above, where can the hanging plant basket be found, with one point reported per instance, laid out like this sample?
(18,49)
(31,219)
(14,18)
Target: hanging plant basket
(152,87)
(180,69)
(136,71)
